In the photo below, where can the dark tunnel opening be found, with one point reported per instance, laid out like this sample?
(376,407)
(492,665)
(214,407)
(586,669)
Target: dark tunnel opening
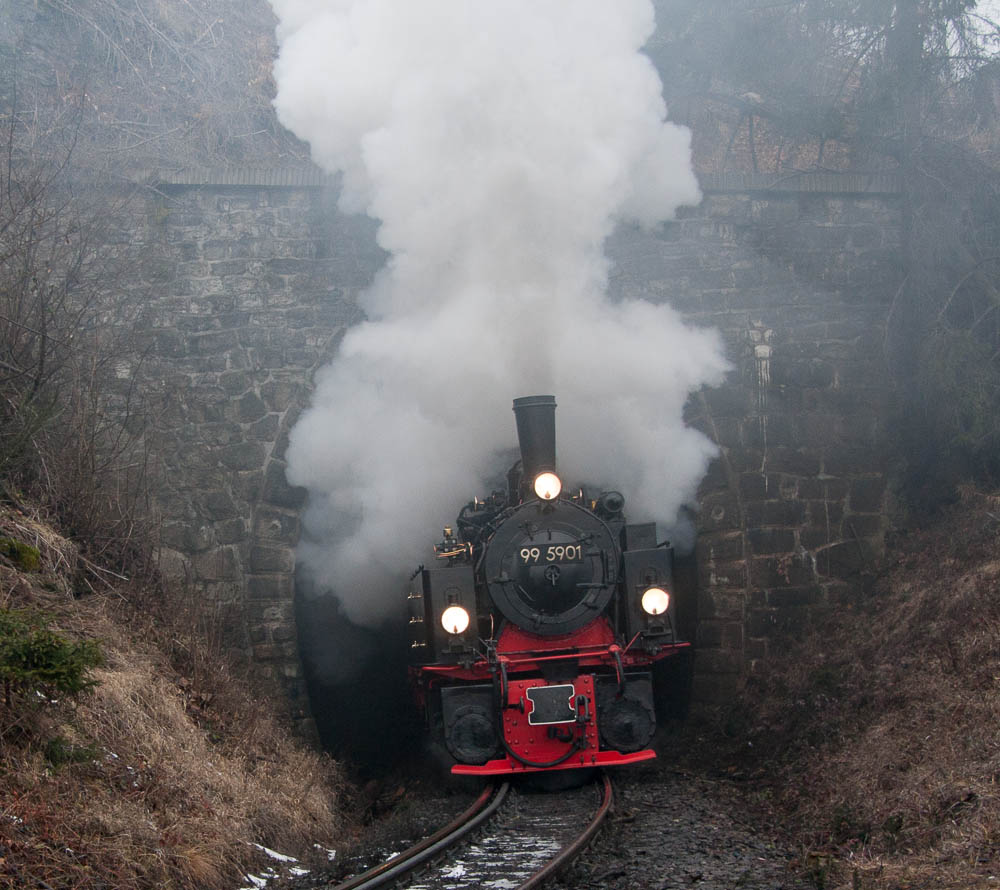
(356,678)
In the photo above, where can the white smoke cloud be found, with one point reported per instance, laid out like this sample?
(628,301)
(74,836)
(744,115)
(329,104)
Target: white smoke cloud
(498,144)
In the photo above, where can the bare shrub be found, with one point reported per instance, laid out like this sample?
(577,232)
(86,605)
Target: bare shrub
(73,406)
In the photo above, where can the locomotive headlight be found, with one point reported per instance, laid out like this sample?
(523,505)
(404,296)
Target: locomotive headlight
(547,486)
(455,619)
(655,601)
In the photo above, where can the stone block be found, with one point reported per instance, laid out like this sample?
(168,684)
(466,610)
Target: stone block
(770,540)
(265,429)
(788,514)
(817,537)
(270,613)
(290,266)
(819,431)
(279,394)
(729,400)
(268,651)
(276,525)
(216,565)
(265,559)
(753,486)
(270,588)
(723,604)
(843,560)
(283,633)
(174,566)
(724,547)
(212,343)
(277,490)
(215,433)
(234,382)
(709,635)
(784,571)
(231,531)
(250,407)
(187,537)
(225,268)
(795,461)
(217,505)
(812,374)
(242,456)
(745,459)
(719,511)
(715,476)
(247,485)
(825,514)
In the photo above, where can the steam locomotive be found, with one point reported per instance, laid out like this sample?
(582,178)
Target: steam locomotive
(538,631)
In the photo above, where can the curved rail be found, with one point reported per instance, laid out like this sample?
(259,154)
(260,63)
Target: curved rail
(430,846)
(572,850)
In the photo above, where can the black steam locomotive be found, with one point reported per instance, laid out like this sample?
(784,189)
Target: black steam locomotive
(538,633)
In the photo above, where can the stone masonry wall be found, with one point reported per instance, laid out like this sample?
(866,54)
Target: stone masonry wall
(252,289)
(792,515)
(252,280)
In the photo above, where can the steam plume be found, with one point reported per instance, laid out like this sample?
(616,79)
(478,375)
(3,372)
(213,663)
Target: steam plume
(499,144)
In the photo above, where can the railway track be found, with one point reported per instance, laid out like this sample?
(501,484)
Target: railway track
(525,839)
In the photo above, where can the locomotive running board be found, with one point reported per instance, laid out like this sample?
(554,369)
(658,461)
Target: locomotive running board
(507,765)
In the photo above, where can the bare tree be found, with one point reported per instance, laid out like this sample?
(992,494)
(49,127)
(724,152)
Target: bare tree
(909,86)
(72,404)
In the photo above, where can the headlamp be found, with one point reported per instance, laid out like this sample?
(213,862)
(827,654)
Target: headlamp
(547,486)
(455,619)
(655,601)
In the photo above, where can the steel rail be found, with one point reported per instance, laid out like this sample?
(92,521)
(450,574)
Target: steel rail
(430,846)
(572,850)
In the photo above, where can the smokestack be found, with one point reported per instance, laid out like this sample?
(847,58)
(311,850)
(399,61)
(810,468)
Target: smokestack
(536,433)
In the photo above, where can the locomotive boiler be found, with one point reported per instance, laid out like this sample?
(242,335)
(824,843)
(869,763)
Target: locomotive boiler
(538,632)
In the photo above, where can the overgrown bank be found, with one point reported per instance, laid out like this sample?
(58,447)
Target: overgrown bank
(168,770)
(873,741)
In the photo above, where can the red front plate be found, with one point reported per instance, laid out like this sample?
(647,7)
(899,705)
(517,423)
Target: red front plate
(543,746)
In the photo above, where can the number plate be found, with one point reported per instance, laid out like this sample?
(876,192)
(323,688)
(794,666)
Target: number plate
(551,704)
(547,554)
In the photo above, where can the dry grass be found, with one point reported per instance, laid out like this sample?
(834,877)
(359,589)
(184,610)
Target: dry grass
(877,738)
(158,778)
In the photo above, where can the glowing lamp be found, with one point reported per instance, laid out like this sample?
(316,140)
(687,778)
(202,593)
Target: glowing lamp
(455,619)
(547,486)
(655,601)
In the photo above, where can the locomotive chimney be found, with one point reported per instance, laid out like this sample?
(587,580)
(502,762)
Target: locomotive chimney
(536,433)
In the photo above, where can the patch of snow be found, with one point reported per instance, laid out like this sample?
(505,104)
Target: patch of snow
(281,857)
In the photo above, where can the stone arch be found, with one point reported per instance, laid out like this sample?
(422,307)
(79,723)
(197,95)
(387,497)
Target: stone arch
(251,278)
